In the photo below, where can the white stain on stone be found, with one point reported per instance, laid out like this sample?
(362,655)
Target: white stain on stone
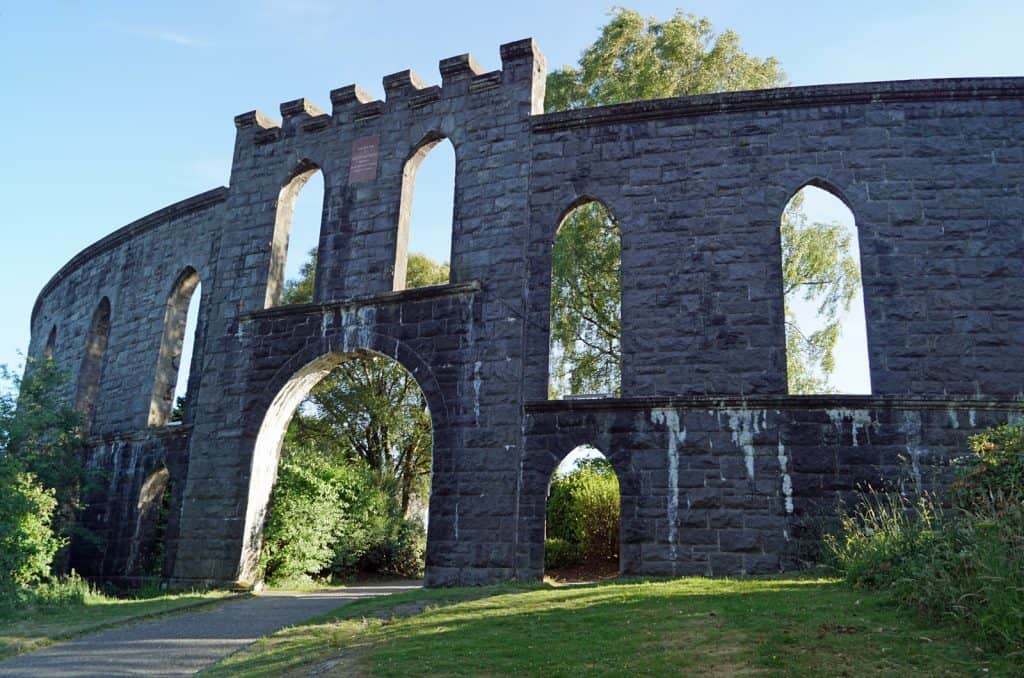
(367,318)
(744,424)
(477,383)
(859,420)
(787,482)
(676,436)
(346,325)
(954,420)
(911,428)
(972,417)
(325,323)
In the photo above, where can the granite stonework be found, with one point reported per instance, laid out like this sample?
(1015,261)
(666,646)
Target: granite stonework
(721,472)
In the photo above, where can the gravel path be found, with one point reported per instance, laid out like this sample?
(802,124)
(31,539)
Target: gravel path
(183,644)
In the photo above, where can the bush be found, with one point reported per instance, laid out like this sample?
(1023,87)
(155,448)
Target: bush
(583,510)
(400,553)
(304,521)
(27,542)
(559,553)
(335,519)
(39,429)
(965,566)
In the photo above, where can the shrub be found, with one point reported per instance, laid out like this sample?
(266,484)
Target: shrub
(331,518)
(965,566)
(559,553)
(399,553)
(27,542)
(583,510)
(40,429)
(995,474)
(304,520)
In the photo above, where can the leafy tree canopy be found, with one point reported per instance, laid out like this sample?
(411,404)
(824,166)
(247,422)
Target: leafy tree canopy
(370,410)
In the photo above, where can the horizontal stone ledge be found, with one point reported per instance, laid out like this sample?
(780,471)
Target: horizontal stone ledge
(883,92)
(196,203)
(387,298)
(775,402)
(139,435)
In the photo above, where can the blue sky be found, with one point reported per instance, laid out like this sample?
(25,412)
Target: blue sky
(112,110)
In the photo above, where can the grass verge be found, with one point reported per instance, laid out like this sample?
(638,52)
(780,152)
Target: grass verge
(694,626)
(31,627)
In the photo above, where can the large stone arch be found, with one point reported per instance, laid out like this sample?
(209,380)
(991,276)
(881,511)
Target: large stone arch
(272,409)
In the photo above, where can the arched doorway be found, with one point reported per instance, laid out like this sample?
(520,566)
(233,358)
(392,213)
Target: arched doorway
(341,473)
(582,518)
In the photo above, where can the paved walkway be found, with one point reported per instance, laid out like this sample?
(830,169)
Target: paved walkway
(185,643)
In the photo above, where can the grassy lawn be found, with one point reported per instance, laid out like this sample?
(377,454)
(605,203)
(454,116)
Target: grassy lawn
(33,627)
(694,626)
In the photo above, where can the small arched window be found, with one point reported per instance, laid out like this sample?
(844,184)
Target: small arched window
(300,207)
(173,365)
(424,244)
(51,344)
(91,371)
(826,336)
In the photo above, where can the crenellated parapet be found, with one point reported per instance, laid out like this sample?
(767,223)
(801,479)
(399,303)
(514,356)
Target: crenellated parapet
(463,81)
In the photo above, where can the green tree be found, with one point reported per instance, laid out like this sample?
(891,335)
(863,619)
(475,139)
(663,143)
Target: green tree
(633,59)
(27,541)
(41,430)
(370,409)
(40,472)
(818,267)
(422,271)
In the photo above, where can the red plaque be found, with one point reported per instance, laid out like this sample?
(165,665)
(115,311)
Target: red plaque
(364,160)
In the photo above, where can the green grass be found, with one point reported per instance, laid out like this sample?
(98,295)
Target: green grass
(695,626)
(31,627)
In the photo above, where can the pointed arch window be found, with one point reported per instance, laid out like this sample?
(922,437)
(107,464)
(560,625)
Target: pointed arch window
(51,344)
(177,344)
(300,210)
(426,213)
(586,300)
(91,371)
(826,336)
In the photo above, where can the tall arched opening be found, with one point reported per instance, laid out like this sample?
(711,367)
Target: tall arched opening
(148,546)
(583,518)
(51,344)
(341,473)
(426,213)
(177,347)
(297,226)
(91,371)
(826,334)
(585,352)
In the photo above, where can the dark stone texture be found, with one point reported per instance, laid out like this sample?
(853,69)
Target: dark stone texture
(720,470)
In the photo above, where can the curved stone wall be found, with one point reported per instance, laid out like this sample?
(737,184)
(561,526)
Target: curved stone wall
(721,471)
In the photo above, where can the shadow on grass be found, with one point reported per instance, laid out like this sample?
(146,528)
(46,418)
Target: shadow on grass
(714,627)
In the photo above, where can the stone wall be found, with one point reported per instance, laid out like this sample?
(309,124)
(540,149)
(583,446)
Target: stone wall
(721,471)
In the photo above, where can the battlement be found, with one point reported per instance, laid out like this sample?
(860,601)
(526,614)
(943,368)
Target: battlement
(461,76)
